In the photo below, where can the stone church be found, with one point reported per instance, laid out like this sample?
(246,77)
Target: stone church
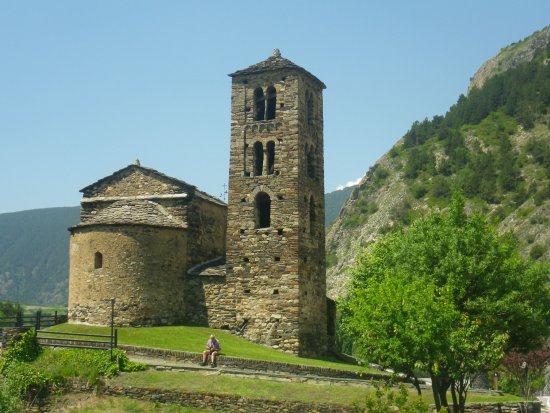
(171,254)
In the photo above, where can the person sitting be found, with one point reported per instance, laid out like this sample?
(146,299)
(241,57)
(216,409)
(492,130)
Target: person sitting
(213,347)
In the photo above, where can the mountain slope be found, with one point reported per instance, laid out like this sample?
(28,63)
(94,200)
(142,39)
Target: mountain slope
(34,255)
(333,203)
(493,144)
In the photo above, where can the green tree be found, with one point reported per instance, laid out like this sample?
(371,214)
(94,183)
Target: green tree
(448,295)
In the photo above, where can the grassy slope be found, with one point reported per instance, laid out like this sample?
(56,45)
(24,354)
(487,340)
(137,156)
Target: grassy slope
(193,339)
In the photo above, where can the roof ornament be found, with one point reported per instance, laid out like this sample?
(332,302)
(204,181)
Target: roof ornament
(137,163)
(276,53)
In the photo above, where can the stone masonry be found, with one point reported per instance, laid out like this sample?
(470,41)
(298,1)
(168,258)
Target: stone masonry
(139,233)
(169,253)
(275,223)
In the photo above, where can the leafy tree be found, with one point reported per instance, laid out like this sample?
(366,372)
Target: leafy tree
(9,309)
(448,295)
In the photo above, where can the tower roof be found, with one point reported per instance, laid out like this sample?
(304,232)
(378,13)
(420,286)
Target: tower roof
(275,62)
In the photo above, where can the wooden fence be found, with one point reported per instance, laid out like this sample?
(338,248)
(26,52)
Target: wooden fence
(36,320)
(48,338)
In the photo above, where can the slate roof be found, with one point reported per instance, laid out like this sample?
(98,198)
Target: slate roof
(135,212)
(275,62)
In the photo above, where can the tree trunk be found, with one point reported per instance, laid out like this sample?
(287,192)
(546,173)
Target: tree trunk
(453,394)
(435,391)
(415,382)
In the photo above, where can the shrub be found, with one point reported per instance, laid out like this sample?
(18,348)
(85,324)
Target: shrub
(418,190)
(537,251)
(387,400)
(21,379)
(541,196)
(23,348)
(88,364)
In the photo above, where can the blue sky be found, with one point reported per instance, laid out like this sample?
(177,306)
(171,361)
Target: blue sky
(86,87)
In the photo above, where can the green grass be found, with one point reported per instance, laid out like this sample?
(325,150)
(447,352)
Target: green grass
(194,338)
(254,388)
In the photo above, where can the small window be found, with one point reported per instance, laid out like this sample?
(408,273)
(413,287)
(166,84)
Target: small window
(258,158)
(263,210)
(271,103)
(270,149)
(259,104)
(98,260)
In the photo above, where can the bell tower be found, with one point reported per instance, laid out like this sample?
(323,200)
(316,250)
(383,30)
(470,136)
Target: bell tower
(275,229)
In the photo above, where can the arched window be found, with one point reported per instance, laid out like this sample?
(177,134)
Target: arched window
(312,216)
(309,108)
(271,103)
(270,149)
(263,210)
(259,104)
(258,158)
(98,260)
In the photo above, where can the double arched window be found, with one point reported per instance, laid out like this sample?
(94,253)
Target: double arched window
(265,104)
(262,158)
(258,158)
(262,204)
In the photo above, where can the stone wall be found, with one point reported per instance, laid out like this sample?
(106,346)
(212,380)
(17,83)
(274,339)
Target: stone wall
(143,268)
(210,301)
(235,403)
(206,223)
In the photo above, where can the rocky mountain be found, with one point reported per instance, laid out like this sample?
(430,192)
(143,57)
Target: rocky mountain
(493,144)
(510,57)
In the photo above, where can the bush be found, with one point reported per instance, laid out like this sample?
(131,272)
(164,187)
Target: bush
(387,400)
(23,380)
(537,251)
(23,348)
(440,187)
(88,364)
(541,196)
(418,190)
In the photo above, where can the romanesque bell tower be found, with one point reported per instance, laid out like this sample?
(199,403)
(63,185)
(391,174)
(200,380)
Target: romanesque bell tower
(275,228)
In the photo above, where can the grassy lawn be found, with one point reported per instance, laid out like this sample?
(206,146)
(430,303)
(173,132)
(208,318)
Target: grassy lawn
(254,388)
(194,338)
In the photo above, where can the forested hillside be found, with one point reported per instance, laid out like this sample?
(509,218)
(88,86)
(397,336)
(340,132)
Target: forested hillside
(34,255)
(493,144)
